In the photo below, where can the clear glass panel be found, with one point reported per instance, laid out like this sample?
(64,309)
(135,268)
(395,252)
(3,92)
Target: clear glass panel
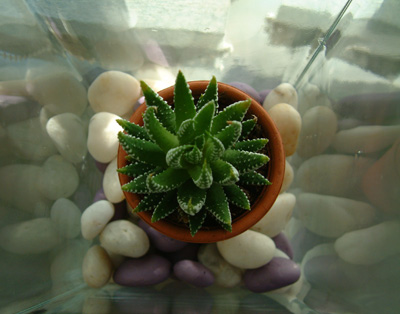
(343,59)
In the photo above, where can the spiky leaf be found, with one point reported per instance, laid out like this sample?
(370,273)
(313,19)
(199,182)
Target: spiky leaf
(253,178)
(137,185)
(194,156)
(230,134)
(253,145)
(217,204)
(167,206)
(202,175)
(133,129)
(175,156)
(166,180)
(191,198)
(203,118)
(224,173)
(164,112)
(136,168)
(213,148)
(234,112)
(236,196)
(157,132)
(183,100)
(149,202)
(247,127)
(200,141)
(142,150)
(211,93)
(244,161)
(186,132)
(196,221)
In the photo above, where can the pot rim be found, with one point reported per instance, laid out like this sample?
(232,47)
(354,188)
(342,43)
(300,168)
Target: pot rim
(266,198)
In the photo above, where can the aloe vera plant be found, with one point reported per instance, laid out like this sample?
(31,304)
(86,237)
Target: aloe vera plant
(192,158)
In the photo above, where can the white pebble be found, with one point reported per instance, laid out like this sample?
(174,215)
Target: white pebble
(124,238)
(226,275)
(29,237)
(288,122)
(283,93)
(371,245)
(256,249)
(30,140)
(318,130)
(68,134)
(58,178)
(111,185)
(277,217)
(95,218)
(331,216)
(96,267)
(114,92)
(66,217)
(288,177)
(18,186)
(59,92)
(338,175)
(366,139)
(102,139)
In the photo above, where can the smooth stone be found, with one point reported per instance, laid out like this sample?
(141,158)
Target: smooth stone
(277,217)
(256,249)
(66,217)
(161,241)
(247,89)
(349,123)
(317,132)
(116,259)
(331,216)
(95,218)
(15,109)
(111,185)
(92,74)
(287,178)
(366,139)
(371,245)
(102,139)
(96,267)
(30,141)
(114,92)
(263,94)
(59,93)
(82,196)
(101,166)
(68,134)
(303,241)
(193,273)
(288,122)
(380,183)
(279,272)
(145,271)
(337,175)
(99,196)
(58,178)
(100,304)
(188,252)
(226,275)
(282,243)
(283,93)
(29,237)
(18,186)
(125,238)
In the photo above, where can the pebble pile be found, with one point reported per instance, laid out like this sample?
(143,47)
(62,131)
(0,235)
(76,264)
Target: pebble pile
(335,205)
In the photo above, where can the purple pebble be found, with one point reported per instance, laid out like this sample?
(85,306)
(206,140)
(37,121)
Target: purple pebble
(263,94)
(247,89)
(99,196)
(161,241)
(188,252)
(193,273)
(101,166)
(282,243)
(148,270)
(279,272)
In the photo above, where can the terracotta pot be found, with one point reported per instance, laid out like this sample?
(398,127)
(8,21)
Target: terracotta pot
(276,169)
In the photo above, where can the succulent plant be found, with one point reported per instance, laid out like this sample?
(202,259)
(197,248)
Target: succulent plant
(191,157)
